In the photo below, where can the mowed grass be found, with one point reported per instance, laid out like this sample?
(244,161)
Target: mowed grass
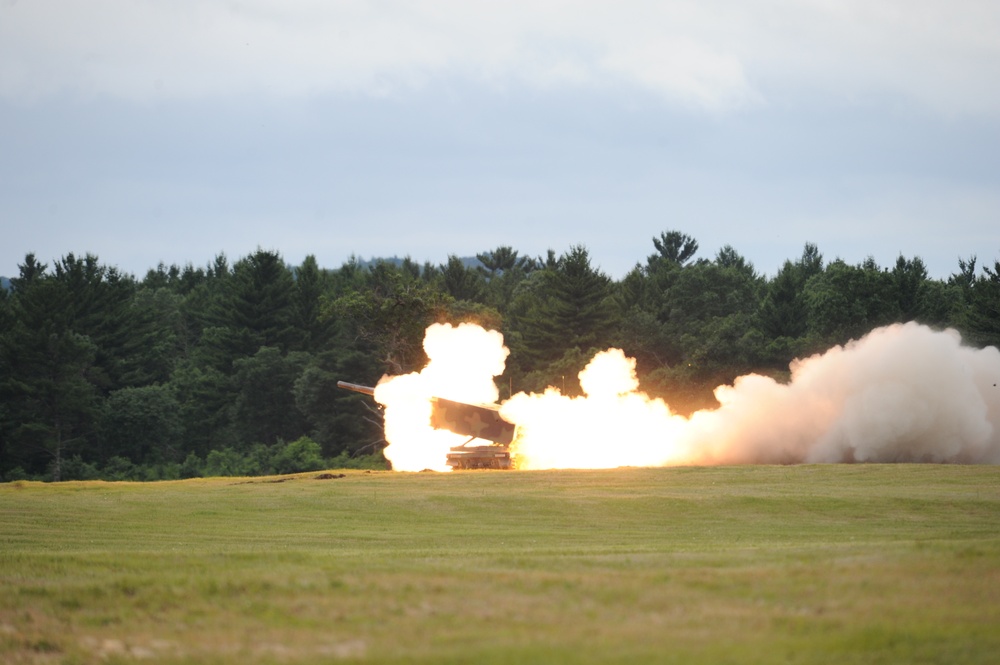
(753,564)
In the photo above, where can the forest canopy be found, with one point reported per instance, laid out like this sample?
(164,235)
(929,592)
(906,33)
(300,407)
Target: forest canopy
(231,368)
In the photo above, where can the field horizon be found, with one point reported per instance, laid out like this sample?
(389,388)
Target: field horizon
(739,564)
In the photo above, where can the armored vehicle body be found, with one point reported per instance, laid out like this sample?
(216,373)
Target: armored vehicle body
(476,421)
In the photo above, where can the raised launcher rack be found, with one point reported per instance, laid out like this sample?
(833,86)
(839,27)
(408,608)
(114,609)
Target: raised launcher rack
(476,421)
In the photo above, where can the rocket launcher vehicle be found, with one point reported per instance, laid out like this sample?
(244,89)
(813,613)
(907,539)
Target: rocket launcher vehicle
(476,421)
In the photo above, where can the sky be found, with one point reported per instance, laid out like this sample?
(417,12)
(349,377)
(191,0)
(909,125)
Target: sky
(147,132)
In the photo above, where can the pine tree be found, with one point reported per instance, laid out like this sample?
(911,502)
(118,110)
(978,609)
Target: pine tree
(313,332)
(260,307)
(49,399)
(461,282)
(569,306)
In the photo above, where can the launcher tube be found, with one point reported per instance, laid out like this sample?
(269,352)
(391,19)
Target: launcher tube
(356,387)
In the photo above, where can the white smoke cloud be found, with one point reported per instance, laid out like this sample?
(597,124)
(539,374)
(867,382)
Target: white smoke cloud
(904,393)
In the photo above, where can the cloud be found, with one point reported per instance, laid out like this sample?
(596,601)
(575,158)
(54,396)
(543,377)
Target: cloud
(714,55)
(686,70)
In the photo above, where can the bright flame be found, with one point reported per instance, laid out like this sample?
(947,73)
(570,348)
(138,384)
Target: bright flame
(612,425)
(461,365)
(901,393)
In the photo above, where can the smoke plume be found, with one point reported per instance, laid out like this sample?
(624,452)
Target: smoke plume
(903,393)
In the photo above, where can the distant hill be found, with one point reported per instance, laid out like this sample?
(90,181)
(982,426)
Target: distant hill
(467,261)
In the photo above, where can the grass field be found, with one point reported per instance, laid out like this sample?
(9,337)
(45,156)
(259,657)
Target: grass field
(754,564)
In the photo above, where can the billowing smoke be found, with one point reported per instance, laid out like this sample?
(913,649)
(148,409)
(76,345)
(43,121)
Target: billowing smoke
(903,393)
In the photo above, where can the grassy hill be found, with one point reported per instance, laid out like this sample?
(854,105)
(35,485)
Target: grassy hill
(756,564)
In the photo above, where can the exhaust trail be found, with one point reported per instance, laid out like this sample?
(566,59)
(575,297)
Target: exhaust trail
(903,393)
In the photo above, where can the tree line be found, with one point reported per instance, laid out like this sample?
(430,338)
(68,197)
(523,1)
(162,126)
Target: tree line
(231,368)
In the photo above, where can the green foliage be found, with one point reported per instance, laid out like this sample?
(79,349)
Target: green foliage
(691,322)
(75,468)
(227,462)
(567,304)
(339,420)
(464,311)
(845,302)
(264,404)
(783,315)
(303,454)
(562,373)
(504,271)
(191,467)
(205,397)
(142,424)
(50,383)
(121,468)
(260,309)
(155,343)
(370,462)
(391,314)
(313,331)
(460,281)
(674,247)
(979,311)
(711,310)
(206,370)
(97,303)
(297,456)
(15,474)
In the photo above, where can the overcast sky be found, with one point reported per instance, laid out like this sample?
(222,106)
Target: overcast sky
(147,132)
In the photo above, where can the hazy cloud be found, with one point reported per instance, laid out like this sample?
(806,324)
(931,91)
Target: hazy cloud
(714,54)
(146,131)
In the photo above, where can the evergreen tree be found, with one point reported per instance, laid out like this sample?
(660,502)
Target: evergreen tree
(260,306)
(571,305)
(311,286)
(390,313)
(675,247)
(340,421)
(142,425)
(156,335)
(645,297)
(461,282)
(98,308)
(503,271)
(845,302)
(264,408)
(981,319)
(783,317)
(204,294)
(710,310)
(205,397)
(49,400)
(909,280)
